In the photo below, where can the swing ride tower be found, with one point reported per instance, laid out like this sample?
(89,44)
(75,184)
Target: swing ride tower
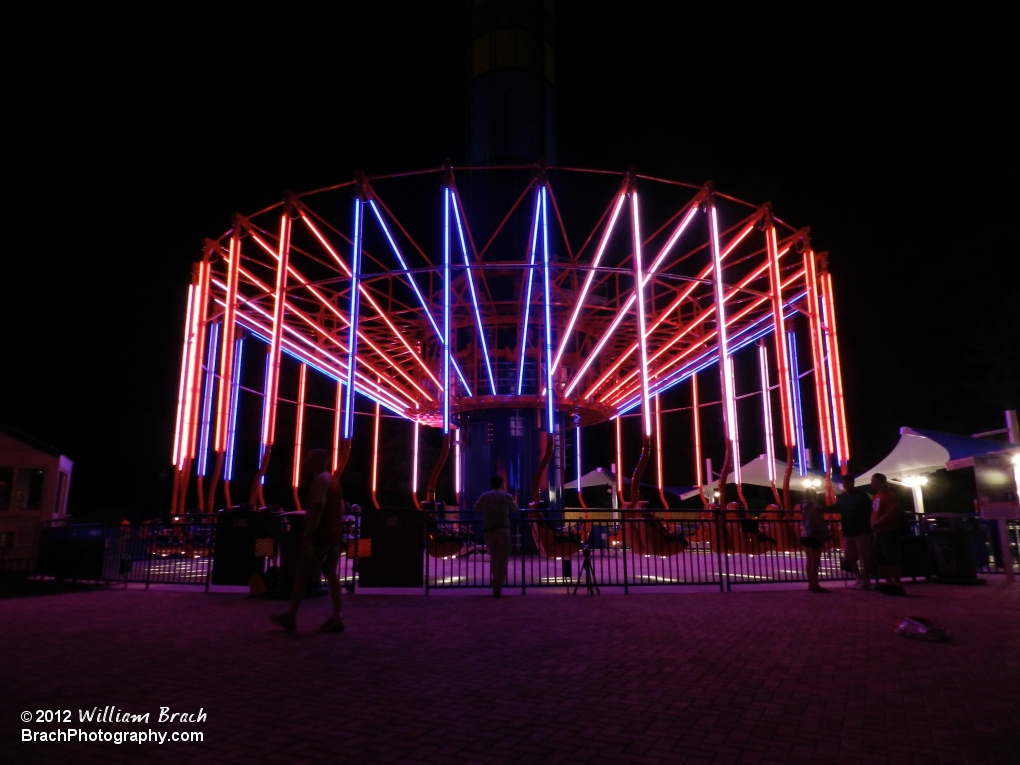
(510,304)
(510,308)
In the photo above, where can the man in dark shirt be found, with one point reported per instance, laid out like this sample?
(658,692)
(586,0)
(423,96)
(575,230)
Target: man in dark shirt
(854,508)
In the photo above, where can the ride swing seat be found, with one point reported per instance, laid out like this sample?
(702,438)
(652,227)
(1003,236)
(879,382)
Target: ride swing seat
(446,540)
(652,537)
(557,540)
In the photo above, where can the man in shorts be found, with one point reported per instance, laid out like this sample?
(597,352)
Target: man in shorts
(885,530)
(320,548)
(855,518)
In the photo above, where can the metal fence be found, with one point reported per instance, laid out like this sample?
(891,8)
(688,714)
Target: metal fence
(629,549)
(152,552)
(573,549)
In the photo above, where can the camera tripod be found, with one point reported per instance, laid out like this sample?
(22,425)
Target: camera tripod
(588,571)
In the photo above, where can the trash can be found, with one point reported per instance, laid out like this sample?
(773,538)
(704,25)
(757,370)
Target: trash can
(397,546)
(289,531)
(235,557)
(951,538)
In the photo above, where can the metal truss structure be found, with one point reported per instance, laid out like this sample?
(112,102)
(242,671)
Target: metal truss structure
(580,294)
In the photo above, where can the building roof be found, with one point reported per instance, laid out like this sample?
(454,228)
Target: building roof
(25,438)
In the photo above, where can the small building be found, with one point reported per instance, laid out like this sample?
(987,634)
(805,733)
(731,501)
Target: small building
(34,480)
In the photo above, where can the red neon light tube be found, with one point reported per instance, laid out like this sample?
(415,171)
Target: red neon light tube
(766,408)
(627,306)
(338,423)
(181,415)
(197,346)
(375,454)
(446,315)
(658,451)
(469,277)
(619,460)
(663,314)
(328,305)
(456,464)
(189,390)
(339,369)
(817,356)
(269,425)
(311,344)
(227,354)
(736,431)
(590,278)
(679,335)
(779,332)
(731,320)
(414,465)
(725,371)
(639,279)
(366,293)
(699,477)
(837,374)
(299,428)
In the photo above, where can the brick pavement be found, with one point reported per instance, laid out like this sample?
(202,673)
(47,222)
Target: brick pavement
(774,676)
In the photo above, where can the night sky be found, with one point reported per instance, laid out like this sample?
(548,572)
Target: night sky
(897,148)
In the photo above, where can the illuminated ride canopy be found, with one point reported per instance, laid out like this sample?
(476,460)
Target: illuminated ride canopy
(445,292)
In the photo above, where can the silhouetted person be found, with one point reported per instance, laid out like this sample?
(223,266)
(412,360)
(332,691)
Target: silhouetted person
(812,536)
(885,535)
(495,506)
(320,548)
(855,519)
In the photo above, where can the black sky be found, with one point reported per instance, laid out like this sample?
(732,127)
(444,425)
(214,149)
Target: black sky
(895,143)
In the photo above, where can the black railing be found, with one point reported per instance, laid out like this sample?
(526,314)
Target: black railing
(616,549)
(153,552)
(628,549)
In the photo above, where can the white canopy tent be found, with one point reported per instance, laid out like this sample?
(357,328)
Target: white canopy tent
(597,477)
(756,473)
(602,477)
(920,452)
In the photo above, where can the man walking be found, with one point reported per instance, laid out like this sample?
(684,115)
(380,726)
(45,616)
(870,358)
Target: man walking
(324,523)
(885,528)
(495,506)
(855,518)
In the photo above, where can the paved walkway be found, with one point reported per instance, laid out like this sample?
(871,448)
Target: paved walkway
(778,676)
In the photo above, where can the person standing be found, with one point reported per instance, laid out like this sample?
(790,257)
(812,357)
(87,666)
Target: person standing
(495,506)
(813,533)
(855,520)
(320,548)
(885,530)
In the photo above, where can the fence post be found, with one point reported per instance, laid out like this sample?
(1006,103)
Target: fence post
(148,560)
(209,560)
(520,549)
(723,559)
(424,541)
(623,550)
